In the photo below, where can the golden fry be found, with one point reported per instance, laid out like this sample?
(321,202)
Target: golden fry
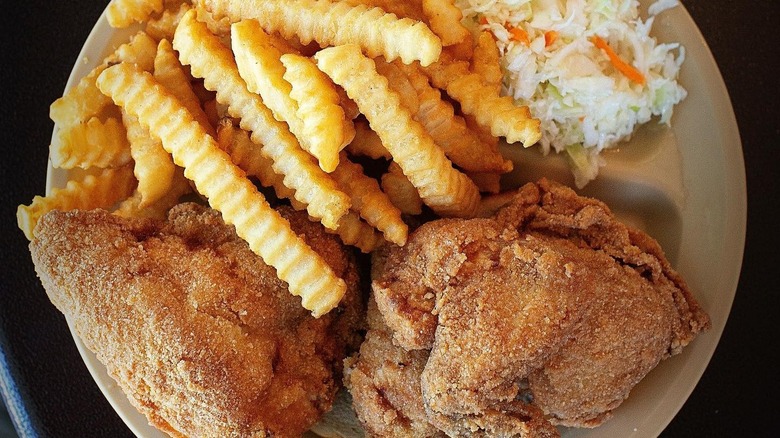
(450,132)
(169,72)
(227,189)
(444,19)
(153,166)
(212,61)
(324,121)
(333,24)
(246,154)
(123,13)
(132,206)
(368,199)
(84,101)
(486,61)
(479,99)
(367,143)
(400,191)
(162,27)
(399,82)
(403,9)
(91,144)
(94,191)
(352,230)
(446,190)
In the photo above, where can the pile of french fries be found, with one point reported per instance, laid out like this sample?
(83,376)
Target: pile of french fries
(212,96)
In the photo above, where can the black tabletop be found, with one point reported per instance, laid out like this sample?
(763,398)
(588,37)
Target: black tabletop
(48,389)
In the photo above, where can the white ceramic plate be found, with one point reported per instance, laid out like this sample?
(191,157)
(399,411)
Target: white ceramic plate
(685,186)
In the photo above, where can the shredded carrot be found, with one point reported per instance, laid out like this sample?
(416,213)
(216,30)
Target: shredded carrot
(627,69)
(549,37)
(483,20)
(519,34)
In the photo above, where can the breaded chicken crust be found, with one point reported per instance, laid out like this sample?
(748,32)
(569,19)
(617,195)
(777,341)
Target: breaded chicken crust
(547,313)
(199,333)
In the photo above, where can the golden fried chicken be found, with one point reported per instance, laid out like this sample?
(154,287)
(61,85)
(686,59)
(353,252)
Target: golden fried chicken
(547,313)
(200,334)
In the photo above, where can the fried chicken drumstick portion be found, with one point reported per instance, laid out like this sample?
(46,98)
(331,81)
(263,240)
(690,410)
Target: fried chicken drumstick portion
(547,313)
(200,334)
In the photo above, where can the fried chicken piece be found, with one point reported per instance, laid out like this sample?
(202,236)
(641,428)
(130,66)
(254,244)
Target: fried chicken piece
(384,381)
(547,313)
(200,334)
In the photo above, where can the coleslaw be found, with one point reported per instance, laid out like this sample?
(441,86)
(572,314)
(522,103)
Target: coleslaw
(588,69)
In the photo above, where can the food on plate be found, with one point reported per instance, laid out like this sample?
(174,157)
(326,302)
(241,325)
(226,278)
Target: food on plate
(123,13)
(589,70)
(370,201)
(224,185)
(319,104)
(197,330)
(356,115)
(450,131)
(169,72)
(212,61)
(444,19)
(247,155)
(99,190)
(497,113)
(547,313)
(335,23)
(443,188)
(401,191)
(84,101)
(152,164)
(94,143)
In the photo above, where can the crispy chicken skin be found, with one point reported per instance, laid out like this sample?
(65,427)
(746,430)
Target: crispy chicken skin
(200,334)
(547,313)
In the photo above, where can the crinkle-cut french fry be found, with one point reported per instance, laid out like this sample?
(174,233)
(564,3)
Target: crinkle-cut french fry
(486,60)
(367,143)
(444,19)
(153,166)
(131,207)
(123,13)
(403,9)
(246,154)
(351,110)
(225,186)
(101,190)
(332,24)
(400,191)
(368,199)
(354,231)
(324,120)
(169,72)
(486,181)
(447,191)
(84,100)
(163,26)
(259,65)
(212,61)
(91,144)
(479,99)
(399,82)
(217,25)
(450,132)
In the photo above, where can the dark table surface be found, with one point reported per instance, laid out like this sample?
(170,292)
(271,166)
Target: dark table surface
(49,390)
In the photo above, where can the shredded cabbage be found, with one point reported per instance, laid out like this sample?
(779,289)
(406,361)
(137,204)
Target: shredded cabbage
(585,104)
